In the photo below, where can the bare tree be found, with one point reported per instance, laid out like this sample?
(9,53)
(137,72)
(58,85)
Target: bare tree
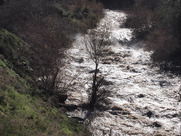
(95,43)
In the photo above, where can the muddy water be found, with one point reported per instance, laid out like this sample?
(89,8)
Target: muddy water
(141,100)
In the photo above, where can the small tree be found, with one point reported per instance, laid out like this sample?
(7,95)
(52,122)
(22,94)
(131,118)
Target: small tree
(95,43)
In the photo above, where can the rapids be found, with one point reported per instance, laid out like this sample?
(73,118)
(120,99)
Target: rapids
(142,100)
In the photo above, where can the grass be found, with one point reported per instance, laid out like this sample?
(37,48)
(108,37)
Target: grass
(15,51)
(26,110)
(23,114)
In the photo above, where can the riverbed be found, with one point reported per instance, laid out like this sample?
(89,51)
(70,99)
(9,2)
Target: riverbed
(140,99)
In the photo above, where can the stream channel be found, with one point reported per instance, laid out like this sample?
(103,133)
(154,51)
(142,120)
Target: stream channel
(142,100)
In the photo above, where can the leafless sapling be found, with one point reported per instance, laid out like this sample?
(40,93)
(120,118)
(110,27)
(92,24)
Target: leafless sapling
(95,43)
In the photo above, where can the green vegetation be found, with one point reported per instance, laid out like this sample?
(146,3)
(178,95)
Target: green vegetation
(24,115)
(157,22)
(14,50)
(33,37)
(47,29)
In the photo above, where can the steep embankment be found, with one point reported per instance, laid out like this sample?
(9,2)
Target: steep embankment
(29,61)
(139,98)
(20,112)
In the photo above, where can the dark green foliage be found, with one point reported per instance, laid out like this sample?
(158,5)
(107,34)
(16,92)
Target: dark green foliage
(15,51)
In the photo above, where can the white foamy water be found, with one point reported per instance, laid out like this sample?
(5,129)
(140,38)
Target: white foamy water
(142,100)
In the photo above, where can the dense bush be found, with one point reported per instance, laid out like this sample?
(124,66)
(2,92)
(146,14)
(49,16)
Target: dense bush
(158,23)
(117,4)
(168,29)
(47,27)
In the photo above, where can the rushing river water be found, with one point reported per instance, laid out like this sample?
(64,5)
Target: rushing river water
(142,100)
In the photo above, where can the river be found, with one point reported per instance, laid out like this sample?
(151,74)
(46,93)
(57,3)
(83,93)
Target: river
(141,99)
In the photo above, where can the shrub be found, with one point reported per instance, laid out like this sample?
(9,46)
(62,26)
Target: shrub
(158,23)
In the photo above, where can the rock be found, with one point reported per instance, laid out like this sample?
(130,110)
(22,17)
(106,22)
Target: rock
(79,119)
(113,113)
(164,83)
(141,95)
(92,71)
(62,98)
(108,52)
(171,115)
(81,60)
(135,63)
(69,107)
(156,124)
(106,83)
(119,111)
(125,113)
(149,114)
(117,59)
(175,115)
(133,70)
(107,62)
(116,108)
(121,66)
(126,55)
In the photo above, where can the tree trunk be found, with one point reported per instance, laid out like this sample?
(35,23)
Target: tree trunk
(94,89)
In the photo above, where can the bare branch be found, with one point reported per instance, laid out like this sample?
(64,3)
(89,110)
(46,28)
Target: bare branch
(95,42)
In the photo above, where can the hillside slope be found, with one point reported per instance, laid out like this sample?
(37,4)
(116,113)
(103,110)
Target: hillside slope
(33,37)
(20,112)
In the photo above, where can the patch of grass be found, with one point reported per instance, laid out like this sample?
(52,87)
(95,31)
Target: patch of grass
(10,45)
(33,116)
(24,115)
(68,125)
(3,64)
(8,77)
(14,50)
